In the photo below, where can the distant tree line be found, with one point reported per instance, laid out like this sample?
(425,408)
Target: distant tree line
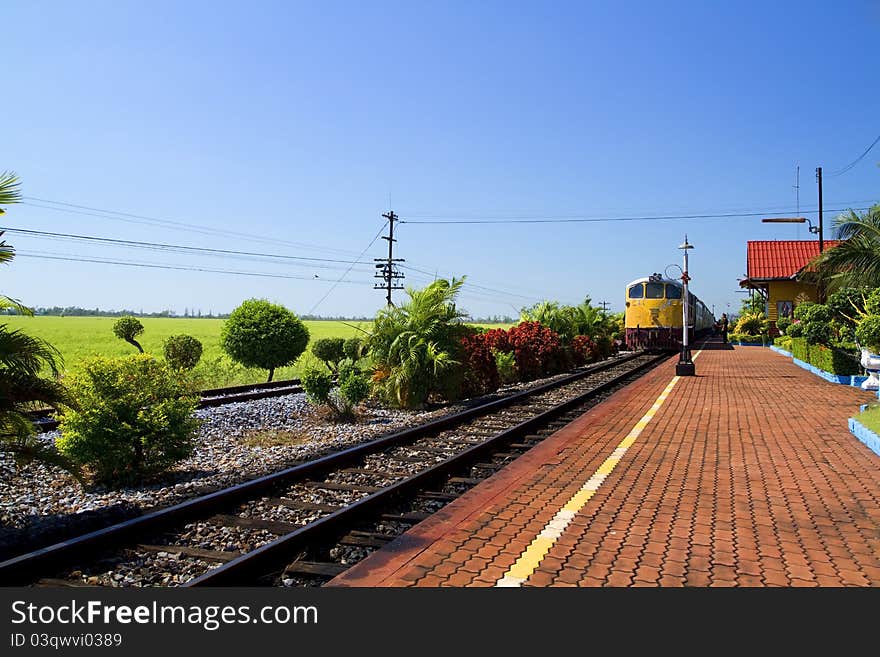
(196,313)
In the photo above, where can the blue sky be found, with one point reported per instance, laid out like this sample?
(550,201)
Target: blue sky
(287,128)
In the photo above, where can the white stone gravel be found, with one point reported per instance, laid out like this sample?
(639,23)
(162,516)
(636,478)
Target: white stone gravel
(34,494)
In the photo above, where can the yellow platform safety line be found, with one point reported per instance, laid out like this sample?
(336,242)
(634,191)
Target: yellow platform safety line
(534,554)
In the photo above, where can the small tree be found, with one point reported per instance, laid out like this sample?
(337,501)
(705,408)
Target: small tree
(134,419)
(353,389)
(329,350)
(263,334)
(128,328)
(353,348)
(182,352)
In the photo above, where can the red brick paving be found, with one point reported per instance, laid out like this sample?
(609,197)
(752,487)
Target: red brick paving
(747,476)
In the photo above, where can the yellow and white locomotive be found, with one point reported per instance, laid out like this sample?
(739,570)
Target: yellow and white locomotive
(653,317)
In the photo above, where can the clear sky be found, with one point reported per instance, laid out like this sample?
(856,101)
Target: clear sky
(288,128)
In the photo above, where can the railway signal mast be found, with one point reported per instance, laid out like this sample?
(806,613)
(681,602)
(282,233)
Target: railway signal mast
(685,365)
(388,271)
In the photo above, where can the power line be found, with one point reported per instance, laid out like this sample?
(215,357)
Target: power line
(333,287)
(148,265)
(171,247)
(849,166)
(554,220)
(128,217)
(468,283)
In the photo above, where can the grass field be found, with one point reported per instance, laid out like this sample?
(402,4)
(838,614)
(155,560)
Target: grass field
(78,338)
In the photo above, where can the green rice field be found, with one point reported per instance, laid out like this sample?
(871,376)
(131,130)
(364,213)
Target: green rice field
(78,338)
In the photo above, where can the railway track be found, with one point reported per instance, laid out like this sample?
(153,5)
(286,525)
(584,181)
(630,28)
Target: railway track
(44,418)
(306,524)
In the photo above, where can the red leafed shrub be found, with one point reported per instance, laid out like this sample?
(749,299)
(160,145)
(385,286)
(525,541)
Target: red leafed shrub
(481,372)
(536,348)
(583,349)
(497,340)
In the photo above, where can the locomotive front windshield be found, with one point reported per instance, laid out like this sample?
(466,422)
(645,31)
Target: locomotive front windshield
(673,291)
(637,291)
(654,290)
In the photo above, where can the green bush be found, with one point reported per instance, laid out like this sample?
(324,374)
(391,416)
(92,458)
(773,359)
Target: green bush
(872,302)
(801,310)
(750,324)
(134,418)
(354,388)
(783,323)
(783,342)
(833,361)
(817,312)
(868,332)
(330,351)
(846,305)
(796,329)
(506,364)
(353,349)
(182,352)
(817,332)
(800,349)
(128,328)
(317,385)
(265,335)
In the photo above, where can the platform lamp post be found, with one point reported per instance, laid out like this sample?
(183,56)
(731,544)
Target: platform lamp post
(816,230)
(685,365)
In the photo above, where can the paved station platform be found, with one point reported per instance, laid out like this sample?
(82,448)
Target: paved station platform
(745,475)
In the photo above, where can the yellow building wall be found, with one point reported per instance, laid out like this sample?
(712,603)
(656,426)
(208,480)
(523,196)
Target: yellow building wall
(788,291)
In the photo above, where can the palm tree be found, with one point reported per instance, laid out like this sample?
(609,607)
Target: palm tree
(412,345)
(855,262)
(22,358)
(10,192)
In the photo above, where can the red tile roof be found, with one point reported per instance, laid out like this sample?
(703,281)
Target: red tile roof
(781,258)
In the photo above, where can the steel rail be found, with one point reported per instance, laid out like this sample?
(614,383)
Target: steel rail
(23,568)
(267,558)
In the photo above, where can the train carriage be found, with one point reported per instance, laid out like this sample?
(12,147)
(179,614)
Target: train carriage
(653,318)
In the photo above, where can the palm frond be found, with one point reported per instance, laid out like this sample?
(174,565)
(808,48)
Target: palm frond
(10,188)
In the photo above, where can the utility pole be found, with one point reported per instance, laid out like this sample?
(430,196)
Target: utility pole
(821,236)
(604,305)
(388,270)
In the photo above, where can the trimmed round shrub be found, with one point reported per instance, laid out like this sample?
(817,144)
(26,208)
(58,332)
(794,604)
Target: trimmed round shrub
(263,334)
(329,350)
(317,385)
(182,352)
(817,312)
(354,387)
(782,324)
(847,304)
(133,418)
(584,350)
(796,330)
(801,310)
(868,333)
(128,328)
(817,333)
(353,348)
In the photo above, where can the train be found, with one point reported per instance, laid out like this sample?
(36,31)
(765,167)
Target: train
(653,317)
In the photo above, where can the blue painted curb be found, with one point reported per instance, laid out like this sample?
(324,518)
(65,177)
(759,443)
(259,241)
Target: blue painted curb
(750,344)
(864,434)
(780,350)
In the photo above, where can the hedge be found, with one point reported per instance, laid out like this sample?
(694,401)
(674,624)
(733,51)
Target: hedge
(830,360)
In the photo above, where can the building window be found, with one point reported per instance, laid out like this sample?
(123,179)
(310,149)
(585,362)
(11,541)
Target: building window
(784,308)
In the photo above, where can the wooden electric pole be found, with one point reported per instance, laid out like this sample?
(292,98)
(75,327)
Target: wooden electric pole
(388,270)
